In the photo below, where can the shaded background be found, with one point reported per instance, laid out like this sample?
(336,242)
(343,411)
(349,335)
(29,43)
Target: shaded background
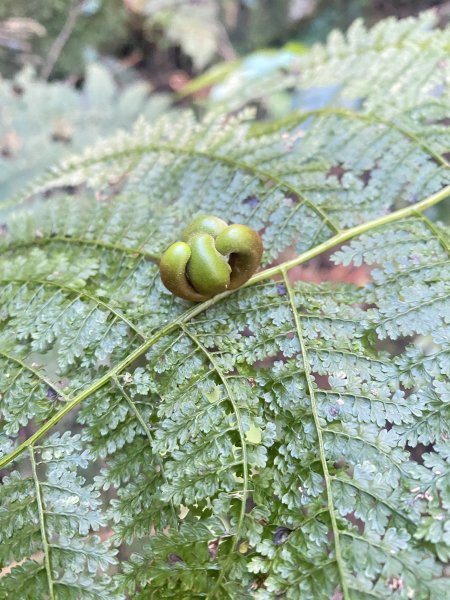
(160,37)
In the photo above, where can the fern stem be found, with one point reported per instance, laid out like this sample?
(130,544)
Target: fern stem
(352,483)
(62,39)
(108,376)
(95,243)
(40,505)
(436,232)
(352,232)
(34,372)
(329,244)
(147,432)
(298,117)
(226,160)
(240,429)
(323,459)
(410,310)
(337,433)
(366,592)
(133,407)
(386,548)
(83,294)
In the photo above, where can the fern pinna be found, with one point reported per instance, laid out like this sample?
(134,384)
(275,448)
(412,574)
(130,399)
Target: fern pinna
(284,440)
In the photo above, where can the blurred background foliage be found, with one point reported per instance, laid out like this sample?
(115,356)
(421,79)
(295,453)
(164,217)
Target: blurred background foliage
(75,70)
(190,34)
(99,26)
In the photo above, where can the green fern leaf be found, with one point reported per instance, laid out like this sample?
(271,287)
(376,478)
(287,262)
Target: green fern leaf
(45,520)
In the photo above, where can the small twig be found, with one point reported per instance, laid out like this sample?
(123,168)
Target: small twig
(225,47)
(61,40)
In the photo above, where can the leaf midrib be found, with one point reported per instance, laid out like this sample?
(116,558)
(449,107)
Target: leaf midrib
(199,308)
(321,447)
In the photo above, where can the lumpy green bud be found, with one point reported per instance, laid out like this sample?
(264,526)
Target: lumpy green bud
(212,258)
(207,269)
(204,224)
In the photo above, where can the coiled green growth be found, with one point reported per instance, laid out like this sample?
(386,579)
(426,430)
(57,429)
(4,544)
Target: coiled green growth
(211,258)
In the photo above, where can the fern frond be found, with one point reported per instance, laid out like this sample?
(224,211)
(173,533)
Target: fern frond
(45,518)
(41,122)
(268,441)
(368,69)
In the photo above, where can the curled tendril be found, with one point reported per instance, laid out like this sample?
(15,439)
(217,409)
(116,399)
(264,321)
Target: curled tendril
(211,258)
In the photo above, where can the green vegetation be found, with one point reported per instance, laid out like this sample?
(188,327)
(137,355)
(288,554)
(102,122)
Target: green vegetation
(287,439)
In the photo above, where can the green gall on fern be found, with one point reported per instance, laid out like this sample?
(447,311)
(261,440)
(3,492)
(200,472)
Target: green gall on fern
(197,268)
